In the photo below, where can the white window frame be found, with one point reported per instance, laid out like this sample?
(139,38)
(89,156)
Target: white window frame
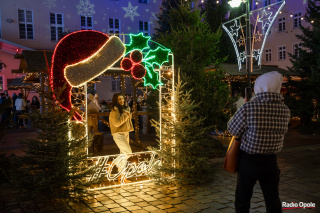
(112,28)
(56,26)
(297,19)
(0,25)
(87,21)
(268,55)
(115,84)
(282,24)
(295,50)
(266,2)
(143,29)
(282,53)
(1,83)
(26,22)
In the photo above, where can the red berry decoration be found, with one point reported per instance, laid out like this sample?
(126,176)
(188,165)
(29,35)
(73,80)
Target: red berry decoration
(136,56)
(138,71)
(126,64)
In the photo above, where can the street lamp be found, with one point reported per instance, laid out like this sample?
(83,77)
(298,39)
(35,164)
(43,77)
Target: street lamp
(236,3)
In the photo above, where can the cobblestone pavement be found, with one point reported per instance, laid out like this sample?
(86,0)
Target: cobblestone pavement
(300,182)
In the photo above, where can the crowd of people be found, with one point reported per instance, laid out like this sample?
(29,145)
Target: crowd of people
(15,106)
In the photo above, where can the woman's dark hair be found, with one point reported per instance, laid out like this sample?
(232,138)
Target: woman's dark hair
(115,103)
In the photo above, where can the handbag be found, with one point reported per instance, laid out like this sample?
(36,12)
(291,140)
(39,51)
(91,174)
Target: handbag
(232,156)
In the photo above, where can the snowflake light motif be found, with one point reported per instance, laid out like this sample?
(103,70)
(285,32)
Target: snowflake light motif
(85,8)
(130,11)
(50,3)
(153,18)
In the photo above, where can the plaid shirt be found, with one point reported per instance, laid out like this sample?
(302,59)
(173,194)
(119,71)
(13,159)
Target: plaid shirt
(261,124)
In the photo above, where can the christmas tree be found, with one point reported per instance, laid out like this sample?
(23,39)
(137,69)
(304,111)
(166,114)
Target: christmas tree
(196,49)
(185,146)
(216,13)
(55,163)
(306,62)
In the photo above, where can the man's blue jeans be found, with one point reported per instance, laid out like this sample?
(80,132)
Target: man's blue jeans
(263,168)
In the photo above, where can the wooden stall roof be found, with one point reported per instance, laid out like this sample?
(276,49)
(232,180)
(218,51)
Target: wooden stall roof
(33,61)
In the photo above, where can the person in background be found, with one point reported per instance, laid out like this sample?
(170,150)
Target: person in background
(14,98)
(120,126)
(96,101)
(3,102)
(240,100)
(9,100)
(261,124)
(104,104)
(35,103)
(21,105)
(92,119)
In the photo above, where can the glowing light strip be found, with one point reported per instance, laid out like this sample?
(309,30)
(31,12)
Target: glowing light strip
(234,44)
(268,30)
(173,104)
(71,72)
(104,167)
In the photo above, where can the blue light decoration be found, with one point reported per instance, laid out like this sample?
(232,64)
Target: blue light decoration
(151,58)
(263,19)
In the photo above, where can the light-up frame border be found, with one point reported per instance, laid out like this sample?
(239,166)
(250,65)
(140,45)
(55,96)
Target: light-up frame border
(237,22)
(160,87)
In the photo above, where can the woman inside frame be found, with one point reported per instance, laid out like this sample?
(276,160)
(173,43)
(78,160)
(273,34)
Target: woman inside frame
(120,126)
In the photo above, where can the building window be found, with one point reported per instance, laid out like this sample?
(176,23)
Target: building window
(282,24)
(143,1)
(144,27)
(56,26)
(282,52)
(114,26)
(296,47)
(0,26)
(266,2)
(86,23)
(268,55)
(1,84)
(25,24)
(297,20)
(115,84)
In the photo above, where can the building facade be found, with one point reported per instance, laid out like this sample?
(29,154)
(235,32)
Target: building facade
(39,24)
(282,37)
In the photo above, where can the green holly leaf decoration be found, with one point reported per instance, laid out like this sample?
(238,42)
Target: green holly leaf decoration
(138,41)
(151,78)
(157,56)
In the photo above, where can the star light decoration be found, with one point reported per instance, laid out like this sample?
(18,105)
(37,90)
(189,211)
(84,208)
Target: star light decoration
(241,41)
(130,11)
(235,29)
(264,18)
(143,66)
(257,36)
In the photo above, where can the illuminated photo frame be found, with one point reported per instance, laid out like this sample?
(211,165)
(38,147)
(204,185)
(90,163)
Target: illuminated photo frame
(146,60)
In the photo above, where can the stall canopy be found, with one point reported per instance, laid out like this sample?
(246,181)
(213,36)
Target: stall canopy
(19,84)
(232,72)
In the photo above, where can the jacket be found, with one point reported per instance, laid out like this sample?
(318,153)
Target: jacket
(262,122)
(20,104)
(120,123)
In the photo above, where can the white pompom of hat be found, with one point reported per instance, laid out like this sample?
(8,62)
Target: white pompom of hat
(268,82)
